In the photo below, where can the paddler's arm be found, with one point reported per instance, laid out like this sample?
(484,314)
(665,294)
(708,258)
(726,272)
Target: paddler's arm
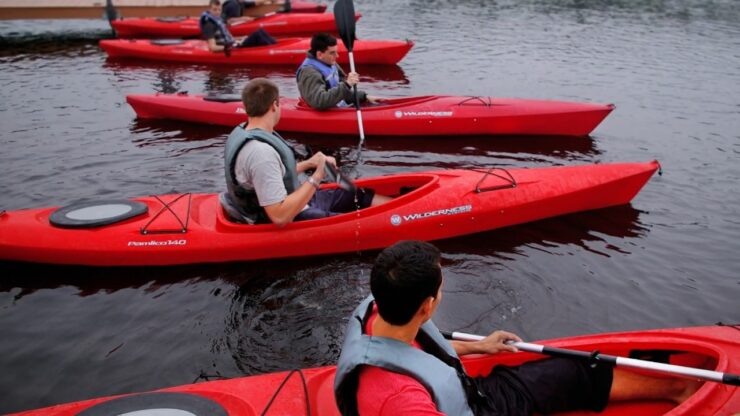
(492,344)
(313,90)
(283,213)
(213,46)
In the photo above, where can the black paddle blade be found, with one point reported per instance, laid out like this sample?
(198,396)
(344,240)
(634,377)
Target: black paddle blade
(344,16)
(110,11)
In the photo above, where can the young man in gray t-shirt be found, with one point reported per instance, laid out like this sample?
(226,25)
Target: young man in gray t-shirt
(259,168)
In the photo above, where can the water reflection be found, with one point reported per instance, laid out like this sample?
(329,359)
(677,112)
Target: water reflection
(230,79)
(604,232)
(568,148)
(163,132)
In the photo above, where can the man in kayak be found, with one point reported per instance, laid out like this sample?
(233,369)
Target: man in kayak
(383,371)
(321,82)
(219,38)
(233,10)
(262,173)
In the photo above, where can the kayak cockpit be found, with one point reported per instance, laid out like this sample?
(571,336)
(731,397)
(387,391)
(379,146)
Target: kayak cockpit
(403,188)
(677,351)
(386,104)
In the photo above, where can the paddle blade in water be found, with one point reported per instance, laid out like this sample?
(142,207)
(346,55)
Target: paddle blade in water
(344,16)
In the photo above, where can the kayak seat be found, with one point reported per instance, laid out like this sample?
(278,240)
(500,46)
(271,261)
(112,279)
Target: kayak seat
(159,402)
(166,42)
(223,98)
(406,189)
(96,214)
(230,211)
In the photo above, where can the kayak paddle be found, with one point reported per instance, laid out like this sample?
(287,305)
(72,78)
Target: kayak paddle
(596,357)
(344,16)
(110,11)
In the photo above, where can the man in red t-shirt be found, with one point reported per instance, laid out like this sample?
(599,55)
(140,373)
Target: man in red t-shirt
(394,361)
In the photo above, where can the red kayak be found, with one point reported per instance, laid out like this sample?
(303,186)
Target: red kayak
(434,115)
(192,228)
(277,24)
(285,51)
(714,348)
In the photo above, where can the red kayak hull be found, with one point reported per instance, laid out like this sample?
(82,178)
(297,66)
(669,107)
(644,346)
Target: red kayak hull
(286,51)
(278,24)
(442,204)
(410,116)
(714,347)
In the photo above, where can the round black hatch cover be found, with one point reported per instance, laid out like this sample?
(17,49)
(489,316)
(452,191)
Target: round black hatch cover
(96,214)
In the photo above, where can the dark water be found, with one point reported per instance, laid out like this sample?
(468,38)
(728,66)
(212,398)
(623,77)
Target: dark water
(669,259)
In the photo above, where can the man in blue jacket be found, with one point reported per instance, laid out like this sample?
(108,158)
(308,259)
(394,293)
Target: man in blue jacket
(321,82)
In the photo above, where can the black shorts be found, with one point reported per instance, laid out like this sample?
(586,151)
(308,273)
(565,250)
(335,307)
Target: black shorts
(545,386)
(329,202)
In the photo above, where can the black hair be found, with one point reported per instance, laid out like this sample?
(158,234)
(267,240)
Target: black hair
(403,276)
(214,3)
(321,41)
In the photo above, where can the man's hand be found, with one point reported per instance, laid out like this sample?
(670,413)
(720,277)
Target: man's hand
(318,162)
(374,100)
(492,344)
(353,78)
(496,342)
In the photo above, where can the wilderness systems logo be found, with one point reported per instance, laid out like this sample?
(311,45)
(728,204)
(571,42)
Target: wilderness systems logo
(401,114)
(155,243)
(241,110)
(398,219)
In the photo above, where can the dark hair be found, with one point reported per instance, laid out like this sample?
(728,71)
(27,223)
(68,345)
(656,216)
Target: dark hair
(403,276)
(258,95)
(214,3)
(321,41)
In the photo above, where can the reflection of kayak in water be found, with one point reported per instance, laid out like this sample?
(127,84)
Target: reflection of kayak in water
(310,391)
(278,24)
(410,116)
(285,51)
(181,229)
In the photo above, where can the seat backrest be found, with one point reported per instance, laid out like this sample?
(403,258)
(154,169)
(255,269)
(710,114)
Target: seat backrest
(231,212)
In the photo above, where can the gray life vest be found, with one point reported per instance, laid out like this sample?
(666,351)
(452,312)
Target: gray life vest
(223,36)
(243,199)
(330,74)
(437,367)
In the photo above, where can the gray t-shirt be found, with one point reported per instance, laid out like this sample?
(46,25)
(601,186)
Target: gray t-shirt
(258,167)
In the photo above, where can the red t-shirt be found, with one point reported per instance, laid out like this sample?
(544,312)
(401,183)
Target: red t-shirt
(382,392)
